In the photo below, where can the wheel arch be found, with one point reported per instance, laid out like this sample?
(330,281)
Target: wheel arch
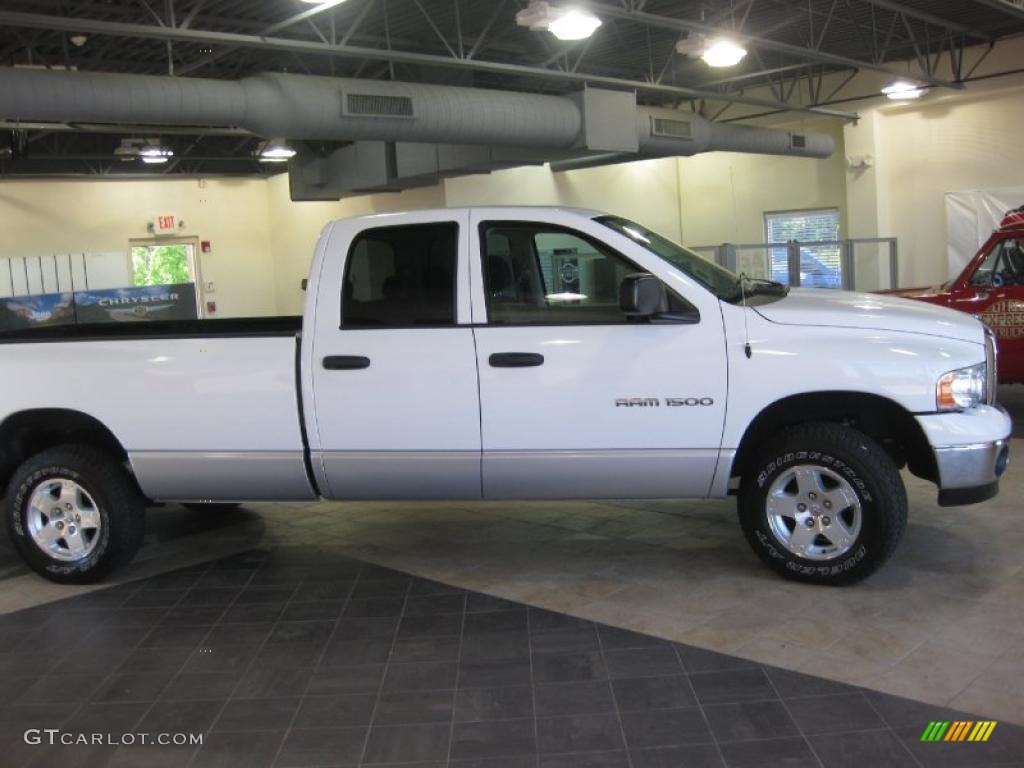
(882,419)
(25,433)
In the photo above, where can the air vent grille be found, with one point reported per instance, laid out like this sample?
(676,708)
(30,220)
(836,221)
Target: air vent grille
(373,105)
(673,129)
(798,141)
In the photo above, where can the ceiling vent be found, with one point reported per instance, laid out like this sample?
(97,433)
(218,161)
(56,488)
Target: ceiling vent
(797,141)
(374,105)
(671,129)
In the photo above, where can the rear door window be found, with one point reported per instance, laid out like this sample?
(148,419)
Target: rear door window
(401,277)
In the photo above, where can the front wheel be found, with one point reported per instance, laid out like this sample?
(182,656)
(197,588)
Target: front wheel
(823,503)
(74,514)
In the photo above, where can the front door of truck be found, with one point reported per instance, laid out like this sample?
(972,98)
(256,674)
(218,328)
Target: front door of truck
(995,293)
(393,373)
(576,400)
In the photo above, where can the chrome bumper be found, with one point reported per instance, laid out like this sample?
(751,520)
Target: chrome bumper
(970,473)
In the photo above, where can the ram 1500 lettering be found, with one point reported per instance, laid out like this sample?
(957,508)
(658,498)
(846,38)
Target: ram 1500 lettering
(509,353)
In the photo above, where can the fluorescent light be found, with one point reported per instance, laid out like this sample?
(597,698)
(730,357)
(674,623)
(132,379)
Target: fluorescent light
(574,24)
(155,155)
(723,52)
(903,90)
(276,153)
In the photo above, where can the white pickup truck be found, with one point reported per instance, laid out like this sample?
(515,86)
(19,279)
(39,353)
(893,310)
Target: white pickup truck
(509,353)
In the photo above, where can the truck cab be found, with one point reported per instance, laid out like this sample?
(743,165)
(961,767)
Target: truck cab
(991,287)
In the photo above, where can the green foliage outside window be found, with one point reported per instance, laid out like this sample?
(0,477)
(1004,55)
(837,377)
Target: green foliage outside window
(160,265)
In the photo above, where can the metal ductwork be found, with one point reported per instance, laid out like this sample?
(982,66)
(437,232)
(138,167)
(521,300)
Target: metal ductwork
(403,134)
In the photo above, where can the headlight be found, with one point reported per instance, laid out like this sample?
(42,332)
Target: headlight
(962,389)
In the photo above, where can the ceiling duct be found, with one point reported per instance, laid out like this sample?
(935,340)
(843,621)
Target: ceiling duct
(592,127)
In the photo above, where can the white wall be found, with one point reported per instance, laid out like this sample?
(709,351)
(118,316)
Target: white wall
(724,195)
(95,216)
(922,151)
(263,242)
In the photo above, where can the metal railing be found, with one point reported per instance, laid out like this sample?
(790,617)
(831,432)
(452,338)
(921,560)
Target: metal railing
(862,263)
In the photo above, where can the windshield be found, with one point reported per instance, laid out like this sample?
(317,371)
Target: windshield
(720,281)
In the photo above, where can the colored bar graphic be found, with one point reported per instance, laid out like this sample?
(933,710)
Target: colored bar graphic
(958,730)
(934,731)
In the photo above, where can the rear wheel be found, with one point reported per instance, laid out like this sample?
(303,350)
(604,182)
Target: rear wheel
(74,514)
(823,503)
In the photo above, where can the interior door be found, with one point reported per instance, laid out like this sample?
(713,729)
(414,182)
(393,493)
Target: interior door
(576,400)
(996,294)
(393,371)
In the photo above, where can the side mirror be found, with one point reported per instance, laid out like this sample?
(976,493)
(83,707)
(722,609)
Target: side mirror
(643,295)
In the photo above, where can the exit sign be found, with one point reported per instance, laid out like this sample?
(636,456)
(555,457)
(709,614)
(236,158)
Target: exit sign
(165,225)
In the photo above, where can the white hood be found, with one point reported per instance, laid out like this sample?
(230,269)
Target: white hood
(844,309)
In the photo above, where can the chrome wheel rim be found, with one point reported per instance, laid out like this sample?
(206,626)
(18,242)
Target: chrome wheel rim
(63,520)
(813,512)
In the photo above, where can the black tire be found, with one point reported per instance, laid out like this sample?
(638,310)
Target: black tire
(869,472)
(213,506)
(117,499)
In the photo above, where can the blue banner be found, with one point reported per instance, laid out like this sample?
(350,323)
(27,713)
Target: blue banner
(23,312)
(141,304)
(115,305)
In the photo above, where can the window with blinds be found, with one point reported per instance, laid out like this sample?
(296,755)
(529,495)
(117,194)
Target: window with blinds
(820,265)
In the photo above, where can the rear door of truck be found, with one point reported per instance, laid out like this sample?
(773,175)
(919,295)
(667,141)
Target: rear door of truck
(395,400)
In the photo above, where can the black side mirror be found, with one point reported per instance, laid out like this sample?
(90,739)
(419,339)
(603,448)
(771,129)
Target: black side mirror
(643,295)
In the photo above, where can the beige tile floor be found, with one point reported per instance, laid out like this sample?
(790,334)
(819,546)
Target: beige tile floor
(943,622)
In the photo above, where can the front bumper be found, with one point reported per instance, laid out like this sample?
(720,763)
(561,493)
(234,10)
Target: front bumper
(971,452)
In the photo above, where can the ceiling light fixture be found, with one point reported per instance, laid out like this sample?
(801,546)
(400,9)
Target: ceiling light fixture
(276,152)
(565,23)
(718,51)
(903,90)
(723,52)
(154,154)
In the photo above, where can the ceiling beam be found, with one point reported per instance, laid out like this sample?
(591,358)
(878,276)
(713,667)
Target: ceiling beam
(1013,7)
(309,13)
(930,18)
(686,25)
(176,34)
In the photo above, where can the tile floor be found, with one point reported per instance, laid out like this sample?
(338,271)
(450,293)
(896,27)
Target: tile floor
(943,623)
(297,656)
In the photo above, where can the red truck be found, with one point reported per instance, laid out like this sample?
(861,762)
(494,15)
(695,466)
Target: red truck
(991,287)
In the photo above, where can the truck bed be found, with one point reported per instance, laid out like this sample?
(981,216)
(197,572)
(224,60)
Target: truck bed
(205,409)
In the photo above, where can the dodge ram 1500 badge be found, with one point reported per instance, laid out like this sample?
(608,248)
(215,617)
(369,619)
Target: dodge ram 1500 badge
(509,353)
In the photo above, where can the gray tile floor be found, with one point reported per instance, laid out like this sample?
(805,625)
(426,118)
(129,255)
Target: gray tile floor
(299,657)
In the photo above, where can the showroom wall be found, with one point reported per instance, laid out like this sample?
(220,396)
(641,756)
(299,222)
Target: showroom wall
(724,195)
(263,242)
(38,218)
(923,151)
